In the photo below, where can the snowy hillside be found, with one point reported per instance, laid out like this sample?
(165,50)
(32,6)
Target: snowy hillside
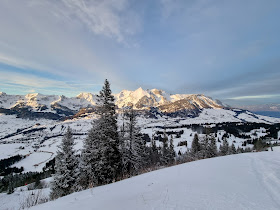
(244,181)
(39,138)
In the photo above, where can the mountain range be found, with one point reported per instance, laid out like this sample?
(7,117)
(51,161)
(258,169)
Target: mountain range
(36,105)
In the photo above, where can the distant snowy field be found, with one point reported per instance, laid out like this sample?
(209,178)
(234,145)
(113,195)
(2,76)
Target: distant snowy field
(41,145)
(243,181)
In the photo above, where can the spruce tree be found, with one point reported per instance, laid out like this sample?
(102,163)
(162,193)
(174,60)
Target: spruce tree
(259,145)
(204,147)
(213,151)
(171,150)
(195,146)
(66,168)
(224,148)
(154,154)
(136,152)
(164,159)
(90,157)
(233,149)
(102,144)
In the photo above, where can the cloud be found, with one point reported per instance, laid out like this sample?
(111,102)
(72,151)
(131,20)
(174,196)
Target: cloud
(223,49)
(254,97)
(108,18)
(19,82)
(67,39)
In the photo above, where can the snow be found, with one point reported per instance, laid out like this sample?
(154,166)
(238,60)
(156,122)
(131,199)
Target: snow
(244,181)
(35,161)
(54,130)
(8,150)
(212,116)
(14,200)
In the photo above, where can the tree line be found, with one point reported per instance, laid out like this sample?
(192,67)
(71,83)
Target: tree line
(110,152)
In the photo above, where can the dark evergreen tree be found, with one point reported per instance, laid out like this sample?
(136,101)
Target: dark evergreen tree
(233,149)
(11,188)
(66,168)
(164,157)
(154,154)
(224,148)
(204,147)
(259,145)
(102,144)
(172,153)
(135,145)
(213,151)
(195,149)
(90,158)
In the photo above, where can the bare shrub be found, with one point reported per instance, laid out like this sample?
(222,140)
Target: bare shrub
(32,199)
(31,186)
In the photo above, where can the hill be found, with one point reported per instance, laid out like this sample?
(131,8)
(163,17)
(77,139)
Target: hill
(243,181)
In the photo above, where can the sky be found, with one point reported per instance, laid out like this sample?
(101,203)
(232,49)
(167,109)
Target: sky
(229,50)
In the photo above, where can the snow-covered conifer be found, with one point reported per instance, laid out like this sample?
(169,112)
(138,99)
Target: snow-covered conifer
(224,148)
(213,151)
(172,153)
(66,168)
(195,146)
(90,157)
(164,157)
(232,149)
(102,144)
(136,152)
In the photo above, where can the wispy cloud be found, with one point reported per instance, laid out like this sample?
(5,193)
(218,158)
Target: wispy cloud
(18,82)
(108,18)
(254,97)
(70,39)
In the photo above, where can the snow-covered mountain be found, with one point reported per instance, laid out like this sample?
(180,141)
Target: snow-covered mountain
(158,98)
(29,125)
(46,103)
(53,107)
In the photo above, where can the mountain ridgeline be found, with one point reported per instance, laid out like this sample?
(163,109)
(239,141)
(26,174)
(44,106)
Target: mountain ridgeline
(55,107)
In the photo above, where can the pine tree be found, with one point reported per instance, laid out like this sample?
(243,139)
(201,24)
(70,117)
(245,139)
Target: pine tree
(66,168)
(164,157)
(233,149)
(135,144)
(259,145)
(224,148)
(172,153)
(90,157)
(154,154)
(204,147)
(11,188)
(213,152)
(195,149)
(102,147)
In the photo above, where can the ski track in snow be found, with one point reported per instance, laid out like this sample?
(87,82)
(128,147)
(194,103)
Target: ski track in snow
(269,179)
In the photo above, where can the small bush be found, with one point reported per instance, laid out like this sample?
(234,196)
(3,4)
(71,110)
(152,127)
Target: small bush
(32,199)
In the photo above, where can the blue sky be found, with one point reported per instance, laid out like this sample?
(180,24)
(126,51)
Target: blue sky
(229,50)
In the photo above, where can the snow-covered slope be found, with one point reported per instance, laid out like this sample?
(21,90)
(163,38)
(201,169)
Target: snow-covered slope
(39,138)
(244,181)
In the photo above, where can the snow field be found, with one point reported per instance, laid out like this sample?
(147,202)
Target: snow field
(243,181)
